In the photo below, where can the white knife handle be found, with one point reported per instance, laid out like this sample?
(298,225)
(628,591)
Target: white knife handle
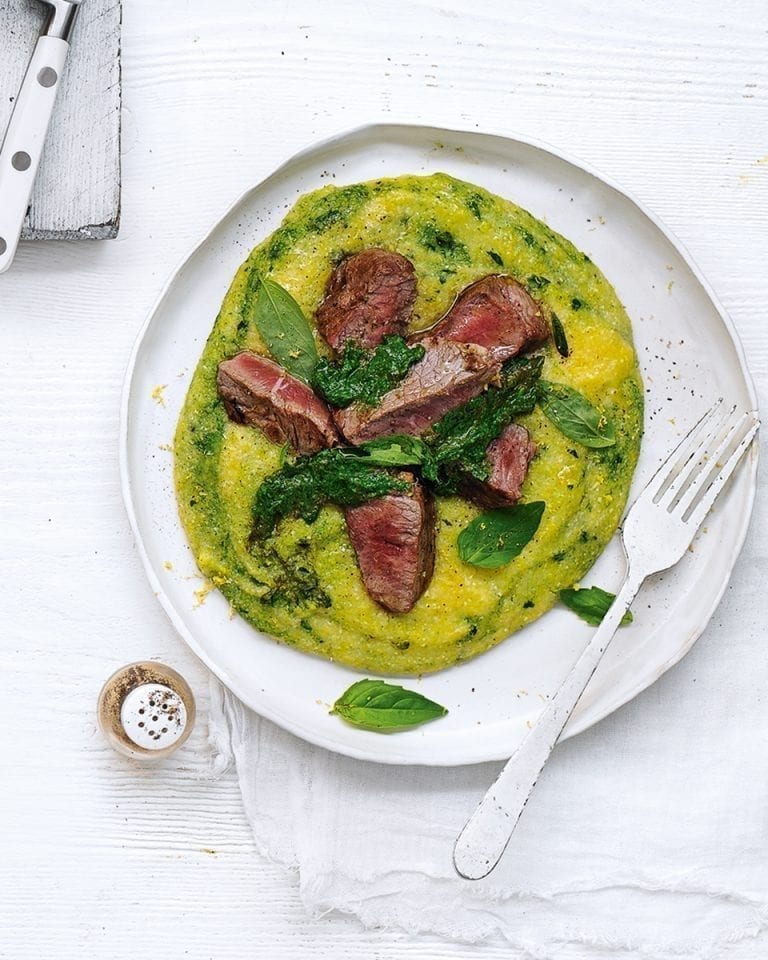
(486,834)
(24,139)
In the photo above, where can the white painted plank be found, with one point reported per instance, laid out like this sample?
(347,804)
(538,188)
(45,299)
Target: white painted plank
(105,858)
(77,190)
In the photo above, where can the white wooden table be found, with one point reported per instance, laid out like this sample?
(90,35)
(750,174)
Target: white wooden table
(103,858)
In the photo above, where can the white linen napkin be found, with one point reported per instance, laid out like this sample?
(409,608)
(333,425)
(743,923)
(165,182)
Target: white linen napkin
(646,836)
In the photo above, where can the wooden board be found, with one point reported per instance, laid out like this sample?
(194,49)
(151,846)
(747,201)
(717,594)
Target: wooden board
(77,191)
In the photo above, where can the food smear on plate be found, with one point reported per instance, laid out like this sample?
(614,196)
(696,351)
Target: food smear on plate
(414,423)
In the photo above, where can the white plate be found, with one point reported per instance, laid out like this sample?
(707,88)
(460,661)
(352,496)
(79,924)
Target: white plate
(689,355)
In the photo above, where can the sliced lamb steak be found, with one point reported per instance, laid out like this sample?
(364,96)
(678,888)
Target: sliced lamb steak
(508,457)
(394,540)
(369,296)
(497,313)
(446,377)
(260,393)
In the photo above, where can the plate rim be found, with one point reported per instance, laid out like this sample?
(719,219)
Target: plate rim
(382,129)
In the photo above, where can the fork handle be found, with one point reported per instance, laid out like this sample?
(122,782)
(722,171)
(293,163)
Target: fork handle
(486,834)
(23,144)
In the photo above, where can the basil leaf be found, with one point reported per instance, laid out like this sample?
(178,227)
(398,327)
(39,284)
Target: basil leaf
(575,416)
(498,536)
(398,450)
(591,604)
(284,328)
(383,707)
(558,335)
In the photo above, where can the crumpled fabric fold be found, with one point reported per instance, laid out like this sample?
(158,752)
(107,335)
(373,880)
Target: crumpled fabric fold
(646,836)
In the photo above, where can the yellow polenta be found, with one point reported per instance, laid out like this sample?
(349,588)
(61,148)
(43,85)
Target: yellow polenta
(303,586)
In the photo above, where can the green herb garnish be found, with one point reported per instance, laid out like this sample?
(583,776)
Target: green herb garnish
(397,450)
(335,208)
(474,204)
(558,335)
(364,375)
(293,582)
(282,326)
(302,488)
(385,707)
(575,416)
(498,536)
(459,440)
(591,604)
(443,242)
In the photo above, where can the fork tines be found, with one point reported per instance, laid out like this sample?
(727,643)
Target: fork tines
(693,475)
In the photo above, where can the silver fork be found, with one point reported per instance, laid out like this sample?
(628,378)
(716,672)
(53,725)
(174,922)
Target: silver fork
(656,533)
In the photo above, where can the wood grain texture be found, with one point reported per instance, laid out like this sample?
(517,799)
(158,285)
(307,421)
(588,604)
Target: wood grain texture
(77,189)
(102,857)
